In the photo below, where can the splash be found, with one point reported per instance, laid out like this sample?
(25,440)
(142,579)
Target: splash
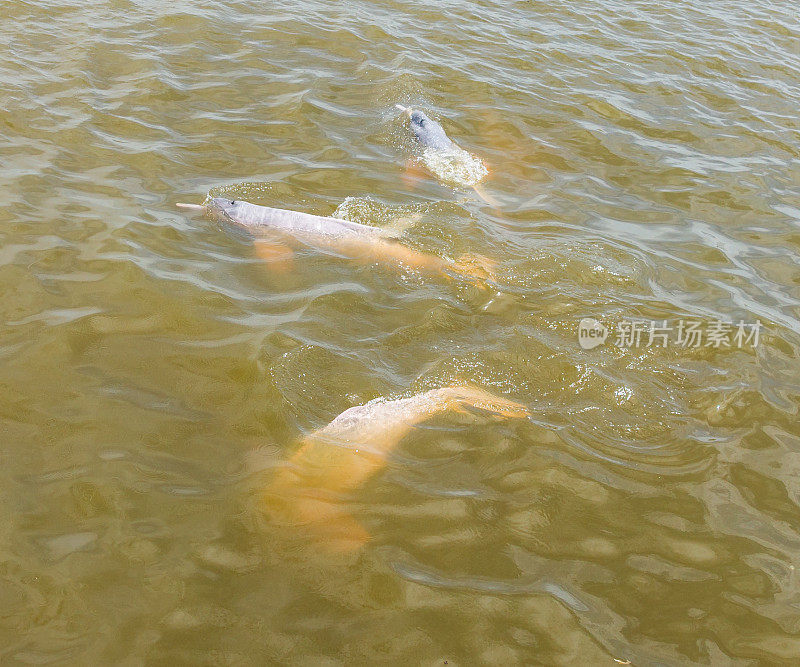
(367,210)
(395,221)
(455,167)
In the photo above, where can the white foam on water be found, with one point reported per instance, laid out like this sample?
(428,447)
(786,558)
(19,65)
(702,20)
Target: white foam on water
(455,167)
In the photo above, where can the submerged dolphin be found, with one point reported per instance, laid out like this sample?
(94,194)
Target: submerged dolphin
(351,239)
(355,445)
(443,157)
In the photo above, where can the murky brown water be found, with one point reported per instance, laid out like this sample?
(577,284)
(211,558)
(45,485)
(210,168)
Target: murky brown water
(155,373)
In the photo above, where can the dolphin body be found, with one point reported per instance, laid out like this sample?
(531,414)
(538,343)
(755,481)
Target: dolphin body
(350,239)
(348,451)
(294,223)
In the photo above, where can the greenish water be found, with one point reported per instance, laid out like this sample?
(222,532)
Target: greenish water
(155,373)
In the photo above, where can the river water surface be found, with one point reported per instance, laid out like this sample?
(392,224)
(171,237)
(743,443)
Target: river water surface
(155,373)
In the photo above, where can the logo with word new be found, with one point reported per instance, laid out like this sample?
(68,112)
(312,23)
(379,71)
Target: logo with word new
(591,333)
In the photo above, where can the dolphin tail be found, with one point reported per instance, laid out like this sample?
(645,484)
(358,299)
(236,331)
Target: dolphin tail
(486,197)
(191,207)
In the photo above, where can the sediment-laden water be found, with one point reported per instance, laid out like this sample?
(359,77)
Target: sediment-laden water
(155,373)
